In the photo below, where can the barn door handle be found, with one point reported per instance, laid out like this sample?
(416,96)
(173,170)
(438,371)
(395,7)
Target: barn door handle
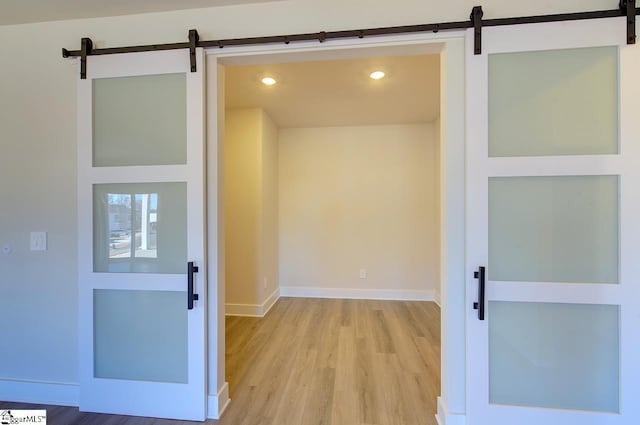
(191,296)
(480,275)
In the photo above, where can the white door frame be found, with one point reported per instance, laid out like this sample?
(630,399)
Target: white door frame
(452,402)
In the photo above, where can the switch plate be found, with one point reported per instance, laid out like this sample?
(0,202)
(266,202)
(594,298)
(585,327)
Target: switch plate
(363,273)
(38,241)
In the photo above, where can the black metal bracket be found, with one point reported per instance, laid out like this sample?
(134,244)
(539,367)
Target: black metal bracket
(194,38)
(628,7)
(476,21)
(85,50)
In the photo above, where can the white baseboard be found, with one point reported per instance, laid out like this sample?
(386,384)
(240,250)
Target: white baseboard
(364,294)
(270,301)
(63,394)
(37,392)
(217,404)
(436,299)
(249,310)
(443,417)
(253,310)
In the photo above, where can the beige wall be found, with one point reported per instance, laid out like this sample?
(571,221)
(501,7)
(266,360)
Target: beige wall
(251,205)
(359,197)
(241,204)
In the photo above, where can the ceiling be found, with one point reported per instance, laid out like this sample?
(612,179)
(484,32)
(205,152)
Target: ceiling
(340,92)
(25,11)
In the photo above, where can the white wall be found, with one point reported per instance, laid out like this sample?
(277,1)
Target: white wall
(251,209)
(356,198)
(38,290)
(38,142)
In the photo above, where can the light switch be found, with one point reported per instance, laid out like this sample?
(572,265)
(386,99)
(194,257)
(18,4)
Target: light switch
(38,241)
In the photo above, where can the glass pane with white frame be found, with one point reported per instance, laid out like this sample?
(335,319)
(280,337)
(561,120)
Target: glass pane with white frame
(554,355)
(140,120)
(555,102)
(140,335)
(140,228)
(554,229)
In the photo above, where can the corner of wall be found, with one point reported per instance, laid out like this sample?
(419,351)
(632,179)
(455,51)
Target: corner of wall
(253,310)
(268,277)
(439,190)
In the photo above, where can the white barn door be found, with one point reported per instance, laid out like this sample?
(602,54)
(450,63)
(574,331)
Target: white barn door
(553,210)
(141,235)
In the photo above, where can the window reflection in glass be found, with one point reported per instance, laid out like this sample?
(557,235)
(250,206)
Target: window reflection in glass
(140,228)
(135,222)
(119,225)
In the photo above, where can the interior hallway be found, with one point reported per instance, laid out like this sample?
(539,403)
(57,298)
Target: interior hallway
(321,361)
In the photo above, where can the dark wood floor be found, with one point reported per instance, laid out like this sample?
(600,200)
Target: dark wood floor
(320,361)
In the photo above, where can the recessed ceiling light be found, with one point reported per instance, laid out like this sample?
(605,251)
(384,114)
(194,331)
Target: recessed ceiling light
(268,81)
(376,75)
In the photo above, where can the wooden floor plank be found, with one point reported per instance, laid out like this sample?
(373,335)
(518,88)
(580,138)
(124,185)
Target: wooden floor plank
(319,362)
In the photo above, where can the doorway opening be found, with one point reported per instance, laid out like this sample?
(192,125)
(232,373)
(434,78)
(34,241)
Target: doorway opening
(332,236)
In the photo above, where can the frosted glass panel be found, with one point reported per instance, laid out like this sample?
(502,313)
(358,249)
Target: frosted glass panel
(557,102)
(553,229)
(140,228)
(554,355)
(140,335)
(140,120)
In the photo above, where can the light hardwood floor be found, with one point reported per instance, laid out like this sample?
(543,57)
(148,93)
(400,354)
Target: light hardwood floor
(320,362)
